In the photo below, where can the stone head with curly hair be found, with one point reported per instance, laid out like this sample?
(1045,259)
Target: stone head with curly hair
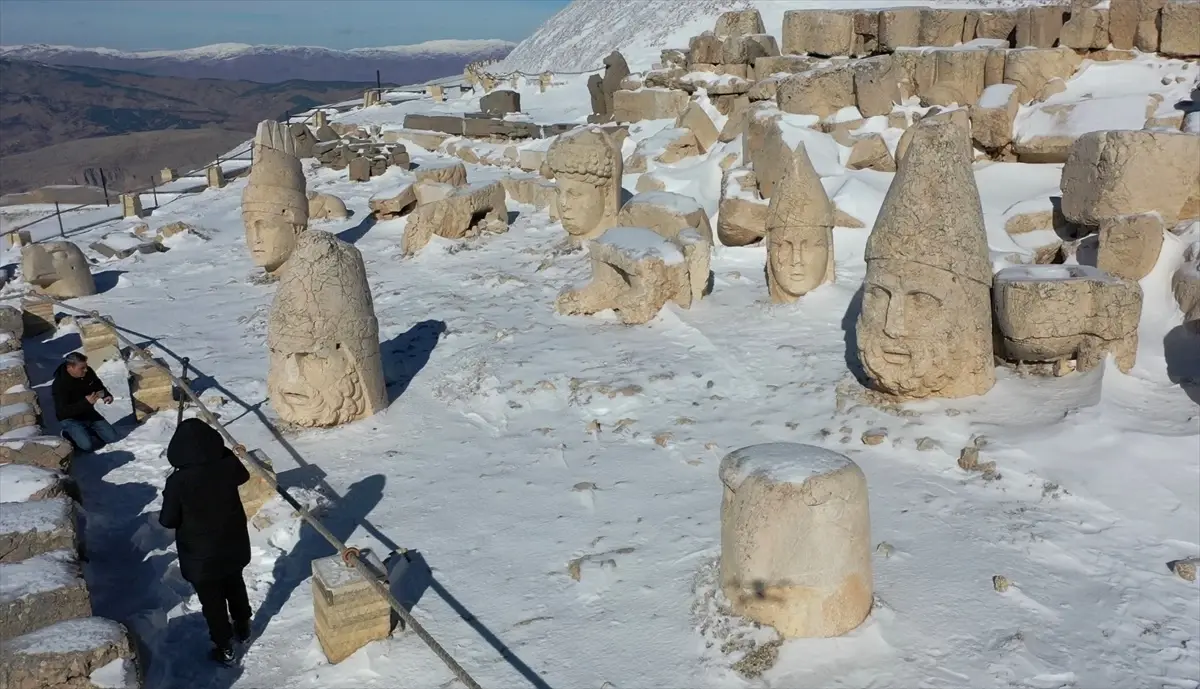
(587,167)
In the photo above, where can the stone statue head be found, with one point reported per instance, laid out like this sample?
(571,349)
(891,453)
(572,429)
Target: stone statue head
(799,231)
(274,204)
(587,167)
(325,367)
(926,323)
(58,269)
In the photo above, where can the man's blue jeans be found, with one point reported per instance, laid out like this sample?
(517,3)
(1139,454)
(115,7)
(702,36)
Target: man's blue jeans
(88,435)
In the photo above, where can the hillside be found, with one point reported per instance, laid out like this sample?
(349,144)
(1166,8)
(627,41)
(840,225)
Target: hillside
(85,113)
(269,64)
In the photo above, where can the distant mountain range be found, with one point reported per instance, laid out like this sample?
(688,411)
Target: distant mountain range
(269,64)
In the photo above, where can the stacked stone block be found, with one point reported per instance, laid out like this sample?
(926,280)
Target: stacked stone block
(100,343)
(347,610)
(150,388)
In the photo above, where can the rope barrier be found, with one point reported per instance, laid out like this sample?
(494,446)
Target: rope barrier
(350,555)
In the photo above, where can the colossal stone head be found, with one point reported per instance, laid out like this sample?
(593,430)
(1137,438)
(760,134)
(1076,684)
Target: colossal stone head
(274,204)
(926,323)
(325,367)
(799,231)
(587,167)
(58,269)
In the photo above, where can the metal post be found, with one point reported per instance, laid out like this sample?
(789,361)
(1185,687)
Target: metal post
(58,214)
(154,190)
(182,395)
(378,83)
(104,186)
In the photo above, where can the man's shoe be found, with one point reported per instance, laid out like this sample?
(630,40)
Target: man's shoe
(241,630)
(222,654)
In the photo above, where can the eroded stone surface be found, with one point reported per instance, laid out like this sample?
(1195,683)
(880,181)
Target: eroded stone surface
(587,165)
(799,231)
(274,203)
(1129,245)
(58,269)
(480,207)
(326,207)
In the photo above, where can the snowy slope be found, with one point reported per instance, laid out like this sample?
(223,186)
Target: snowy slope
(582,33)
(274,63)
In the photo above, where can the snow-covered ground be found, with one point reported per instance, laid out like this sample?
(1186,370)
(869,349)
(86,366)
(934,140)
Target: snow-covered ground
(556,478)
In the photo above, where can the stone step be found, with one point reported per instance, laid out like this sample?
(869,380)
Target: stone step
(28,529)
(82,653)
(46,451)
(41,591)
(21,483)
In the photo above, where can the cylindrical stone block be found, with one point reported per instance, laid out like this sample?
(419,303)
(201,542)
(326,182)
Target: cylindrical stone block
(796,539)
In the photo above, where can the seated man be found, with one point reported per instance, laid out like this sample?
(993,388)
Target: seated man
(76,389)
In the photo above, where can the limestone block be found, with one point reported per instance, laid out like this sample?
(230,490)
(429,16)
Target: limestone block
(1116,173)
(783,64)
(448,172)
(739,23)
(742,213)
(305,139)
(649,104)
(706,48)
(26,483)
(258,491)
(12,370)
(700,124)
(445,124)
(871,153)
(32,528)
(500,103)
(925,328)
(668,146)
(764,89)
(1040,27)
(993,116)
(876,85)
(818,32)
(17,415)
(649,182)
(12,328)
(666,213)
(398,157)
(1087,29)
(1180,34)
(100,342)
(746,49)
(796,539)
(1047,313)
(19,238)
(993,67)
(532,190)
(214,177)
(348,611)
(899,28)
(41,591)
(326,207)
(325,133)
(942,28)
(480,206)
(635,272)
(1030,69)
(150,388)
(387,205)
(1185,284)
(131,206)
(1129,245)
(371,97)
(821,92)
(959,71)
(436,93)
(58,269)
(46,451)
(360,169)
(37,317)
(1135,23)
(64,655)
(996,23)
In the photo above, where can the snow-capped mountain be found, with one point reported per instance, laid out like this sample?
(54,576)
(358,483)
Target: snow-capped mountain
(582,33)
(404,64)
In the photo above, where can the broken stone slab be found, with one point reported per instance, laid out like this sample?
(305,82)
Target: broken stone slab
(69,654)
(41,591)
(17,415)
(870,152)
(435,123)
(699,123)
(1129,245)
(360,169)
(648,104)
(450,172)
(824,33)
(387,205)
(876,85)
(479,207)
(500,102)
(784,64)
(739,23)
(1087,29)
(32,528)
(29,483)
(46,451)
(1180,33)
(532,190)
(993,115)
(1031,69)
(150,388)
(668,146)
(742,214)
(12,370)
(121,246)
(1040,27)
(746,49)
(820,92)
(666,213)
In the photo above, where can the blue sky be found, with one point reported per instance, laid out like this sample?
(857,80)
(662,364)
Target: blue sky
(173,24)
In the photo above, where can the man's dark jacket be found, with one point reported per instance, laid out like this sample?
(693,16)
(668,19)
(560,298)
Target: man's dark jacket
(70,394)
(200,501)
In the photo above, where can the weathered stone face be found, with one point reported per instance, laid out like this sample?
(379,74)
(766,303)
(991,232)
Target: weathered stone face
(58,269)
(325,367)
(274,203)
(587,166)
(797,263)
(799,231)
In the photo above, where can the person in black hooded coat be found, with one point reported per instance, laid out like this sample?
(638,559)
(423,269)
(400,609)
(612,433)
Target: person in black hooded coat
(201,503)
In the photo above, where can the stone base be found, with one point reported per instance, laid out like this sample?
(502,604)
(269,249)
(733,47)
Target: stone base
(348,612)
(46,451)
(65,655)
(28,529)
(14,416)
(37,317)
(150,389)
(12,371)
(41,591)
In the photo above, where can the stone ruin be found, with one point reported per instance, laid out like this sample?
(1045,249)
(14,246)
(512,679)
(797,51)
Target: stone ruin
(58,269)
(1061,313)
(454,212)
(796,539)
(925,328)
(326,207)
(602,88)
(500,103)
(325,366)
(1185,285)
(588,168)
(274,203)
(799,231)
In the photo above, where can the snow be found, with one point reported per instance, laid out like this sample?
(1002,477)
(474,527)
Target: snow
(996,96)
(780,463)
(19,482)
(119,674)
(1051,273)
(40,515)
(71,636)
(226,51)
(678,203)
(641,243)
(39,574)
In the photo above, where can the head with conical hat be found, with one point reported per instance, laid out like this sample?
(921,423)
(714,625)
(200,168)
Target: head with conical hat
(274,204)
(325,367)
(587,168)
(926,323)
(799,230)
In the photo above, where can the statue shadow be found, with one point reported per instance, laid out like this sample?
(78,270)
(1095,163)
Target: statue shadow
(512,216)
(625,196)
(1088,251)
(406,354)
(1181,349)
(850,336)
(106,280)
(353,234)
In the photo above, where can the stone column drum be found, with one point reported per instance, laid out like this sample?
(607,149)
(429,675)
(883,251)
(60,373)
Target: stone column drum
(796,539)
